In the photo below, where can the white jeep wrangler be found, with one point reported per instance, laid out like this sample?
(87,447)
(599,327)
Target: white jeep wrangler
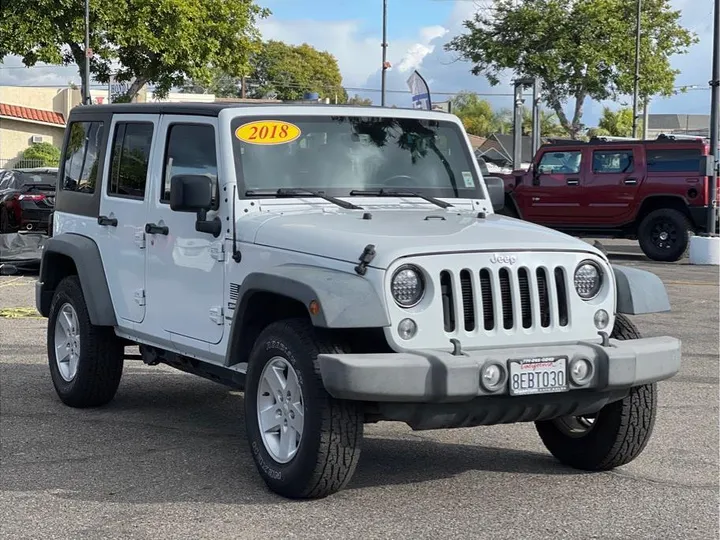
(341,265)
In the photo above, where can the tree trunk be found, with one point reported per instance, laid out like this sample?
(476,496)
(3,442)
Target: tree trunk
(575,127)
(79,55)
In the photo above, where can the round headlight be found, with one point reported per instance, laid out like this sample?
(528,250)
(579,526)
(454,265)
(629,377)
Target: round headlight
(407,286)
(588,280)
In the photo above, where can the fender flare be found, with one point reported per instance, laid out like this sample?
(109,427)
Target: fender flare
(639,291)
(346,300)
(84,253)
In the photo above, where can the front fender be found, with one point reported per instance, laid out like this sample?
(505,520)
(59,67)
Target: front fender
(346,300)
(639,291)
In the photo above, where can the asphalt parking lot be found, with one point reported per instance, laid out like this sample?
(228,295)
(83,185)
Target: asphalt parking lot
(168,457)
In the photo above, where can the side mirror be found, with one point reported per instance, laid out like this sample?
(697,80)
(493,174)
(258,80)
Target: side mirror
(496,191)
(191,193)
(194,193)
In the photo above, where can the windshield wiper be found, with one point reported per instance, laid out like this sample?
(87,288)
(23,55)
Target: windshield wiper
(399,193)
(293,192)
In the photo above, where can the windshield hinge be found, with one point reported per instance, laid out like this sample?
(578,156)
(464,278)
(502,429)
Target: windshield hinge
(366,258)
(217,251)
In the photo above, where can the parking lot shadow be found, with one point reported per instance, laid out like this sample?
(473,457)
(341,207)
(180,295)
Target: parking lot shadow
(171,437)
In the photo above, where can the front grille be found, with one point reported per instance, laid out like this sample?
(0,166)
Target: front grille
(504,299)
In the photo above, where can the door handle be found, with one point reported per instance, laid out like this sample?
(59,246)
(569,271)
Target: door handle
(104,220)
(154,228)
(631,181)
(573,181)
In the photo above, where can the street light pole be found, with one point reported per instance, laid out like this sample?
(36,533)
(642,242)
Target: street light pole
(637,70)
(86,86)
(715,121)
(384,53)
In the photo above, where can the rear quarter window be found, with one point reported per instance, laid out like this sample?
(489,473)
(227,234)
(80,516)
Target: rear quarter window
(674,160)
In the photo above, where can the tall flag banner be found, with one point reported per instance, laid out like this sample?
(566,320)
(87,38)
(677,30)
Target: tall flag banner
(420,91)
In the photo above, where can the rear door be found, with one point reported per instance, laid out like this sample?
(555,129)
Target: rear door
(123,206)
(612,183)
(554,196)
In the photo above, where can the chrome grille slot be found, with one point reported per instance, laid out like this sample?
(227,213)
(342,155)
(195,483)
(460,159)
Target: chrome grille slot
(525,306)
(504,299)
(487,299)
(448,301)
(544,298)
(468,300)
(561,289)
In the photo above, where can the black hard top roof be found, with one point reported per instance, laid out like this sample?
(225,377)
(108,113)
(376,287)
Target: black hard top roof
(196,108)
(600,141)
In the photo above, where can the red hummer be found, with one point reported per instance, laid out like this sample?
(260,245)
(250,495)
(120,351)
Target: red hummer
(655,191)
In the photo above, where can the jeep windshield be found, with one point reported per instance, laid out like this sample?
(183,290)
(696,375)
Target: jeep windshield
(343,156)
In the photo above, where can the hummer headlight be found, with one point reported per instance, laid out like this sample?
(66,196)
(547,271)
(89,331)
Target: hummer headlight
(588,280)
(407,286)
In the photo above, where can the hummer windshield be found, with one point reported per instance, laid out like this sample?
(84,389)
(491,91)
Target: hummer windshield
(347,155)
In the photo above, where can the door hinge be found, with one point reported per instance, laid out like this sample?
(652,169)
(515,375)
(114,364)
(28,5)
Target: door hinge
(216,315)
(140,297)
(217,251)
(140,239)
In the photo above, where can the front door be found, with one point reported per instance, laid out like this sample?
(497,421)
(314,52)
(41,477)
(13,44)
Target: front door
(123,205)
(185,268)
(554,196)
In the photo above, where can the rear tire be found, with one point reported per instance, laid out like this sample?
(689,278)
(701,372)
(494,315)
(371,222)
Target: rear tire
(664,235)
(86,361)
(324,445)
(612,437)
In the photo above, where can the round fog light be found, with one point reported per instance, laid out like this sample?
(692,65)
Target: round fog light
(580,371)
(601,319)
(492,377)
(407,329)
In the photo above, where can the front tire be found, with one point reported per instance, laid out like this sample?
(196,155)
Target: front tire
(86,361)
(664,235)
(612,437)
(305,443)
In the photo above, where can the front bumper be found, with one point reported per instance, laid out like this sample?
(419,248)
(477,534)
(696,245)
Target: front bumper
(437,376)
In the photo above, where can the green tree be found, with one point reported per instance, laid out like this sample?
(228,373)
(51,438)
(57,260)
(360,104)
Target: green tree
(477,115)
(616,123)
(357,100)
(578,48)
(42,154)
(549,126)
(289,71)
(280,71)
(160,42)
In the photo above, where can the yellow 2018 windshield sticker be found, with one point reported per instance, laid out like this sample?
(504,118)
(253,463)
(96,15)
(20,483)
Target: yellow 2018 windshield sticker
(268,132)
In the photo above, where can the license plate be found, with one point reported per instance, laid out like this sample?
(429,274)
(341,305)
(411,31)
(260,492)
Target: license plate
(541,375)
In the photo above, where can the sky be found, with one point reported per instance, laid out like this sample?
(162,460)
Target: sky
(351,30)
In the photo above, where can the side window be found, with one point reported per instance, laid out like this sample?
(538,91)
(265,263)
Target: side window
(190,150)
(560,163)
(615,161)
(129,160)
(670,160)
(82,157)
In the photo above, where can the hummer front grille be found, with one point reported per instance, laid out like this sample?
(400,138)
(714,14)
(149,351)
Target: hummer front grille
(510,299)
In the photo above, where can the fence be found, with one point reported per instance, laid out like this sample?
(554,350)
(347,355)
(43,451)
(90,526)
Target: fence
(21,163)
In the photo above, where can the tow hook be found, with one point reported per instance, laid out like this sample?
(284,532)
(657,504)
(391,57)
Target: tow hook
(605,339)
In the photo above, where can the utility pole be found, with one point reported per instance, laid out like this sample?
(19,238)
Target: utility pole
(86,86)
(384,52)
(715,121)
(646,117)
(637,70)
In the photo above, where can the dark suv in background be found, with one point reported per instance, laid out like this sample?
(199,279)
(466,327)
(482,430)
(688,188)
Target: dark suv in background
(27,198)
(655,191)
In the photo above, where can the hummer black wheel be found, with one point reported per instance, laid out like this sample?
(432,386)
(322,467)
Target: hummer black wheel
(305,443)
(664,235)
(613,436)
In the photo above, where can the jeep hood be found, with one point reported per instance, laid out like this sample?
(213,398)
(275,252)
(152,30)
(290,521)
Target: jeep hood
(397,233)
